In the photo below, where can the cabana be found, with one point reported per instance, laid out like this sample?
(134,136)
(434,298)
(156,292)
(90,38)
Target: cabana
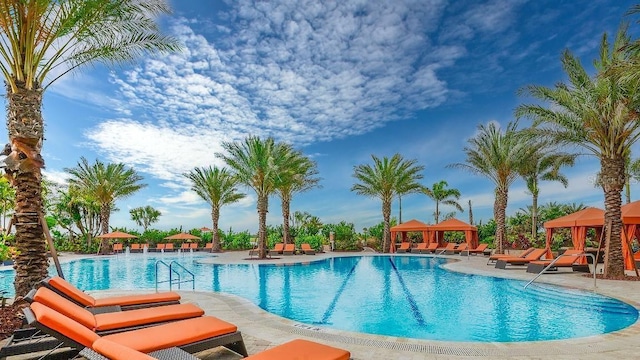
(470,231)
(631,230)
(409,226)
(579,222)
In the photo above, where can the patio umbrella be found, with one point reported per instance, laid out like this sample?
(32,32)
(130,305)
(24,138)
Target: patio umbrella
(182,236)
(205,229)
(116,235)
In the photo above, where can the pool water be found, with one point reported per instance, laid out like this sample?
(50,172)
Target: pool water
(400,296)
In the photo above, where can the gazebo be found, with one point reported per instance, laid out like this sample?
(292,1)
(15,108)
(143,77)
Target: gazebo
(631,230)
(579,222)
(470,231)
(409,226)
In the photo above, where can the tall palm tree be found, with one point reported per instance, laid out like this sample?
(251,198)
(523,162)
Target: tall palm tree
(299,176)
(543,163)
(218,187)
(43,40)
(498,156)
(106,183)
(440,194)
(600,114)
(382,180)
(257,164)
(145,216)
(402,192)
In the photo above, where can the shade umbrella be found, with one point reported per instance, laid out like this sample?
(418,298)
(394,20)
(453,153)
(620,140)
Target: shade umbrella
(116,235)
(182,236)
(205,229)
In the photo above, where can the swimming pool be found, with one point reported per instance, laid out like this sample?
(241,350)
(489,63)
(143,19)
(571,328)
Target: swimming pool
(400,296)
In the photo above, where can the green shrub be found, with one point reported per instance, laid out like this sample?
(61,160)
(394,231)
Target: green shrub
(315,241)
(236,241)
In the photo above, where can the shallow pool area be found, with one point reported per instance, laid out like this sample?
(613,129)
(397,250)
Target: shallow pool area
(403,296)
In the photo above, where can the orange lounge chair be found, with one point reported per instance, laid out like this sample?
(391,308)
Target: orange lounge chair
(135,248)
(289,249)
(479,250)
(462,247)
(184,246)
(306,248)
(404,247)
(536,254)
(419,248)
(112,321)
(449,247)
(168,247)
(569,258)
(432,248)
(127,302)
(117,247)
(277,249)
(193,246)
(159,247)
(208,246)
(495,257)
(292,350)
(191,335)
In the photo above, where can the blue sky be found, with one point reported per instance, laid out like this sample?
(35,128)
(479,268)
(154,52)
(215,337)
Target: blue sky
(340,81)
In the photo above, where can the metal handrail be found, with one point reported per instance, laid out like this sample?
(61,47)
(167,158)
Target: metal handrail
(169,267)
(595,267)
(193,277)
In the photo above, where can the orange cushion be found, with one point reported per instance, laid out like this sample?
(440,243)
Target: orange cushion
(71,291)
(65,307)
(302,349)
(64,325)
(114,350)
(137,299)
(124,319)
(172,334)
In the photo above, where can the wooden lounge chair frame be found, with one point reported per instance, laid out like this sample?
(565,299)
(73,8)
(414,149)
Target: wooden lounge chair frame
(232,341)
(480,249)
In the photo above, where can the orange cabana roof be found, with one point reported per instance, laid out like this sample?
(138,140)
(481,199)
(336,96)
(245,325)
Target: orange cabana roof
(631,213)
(411,225)
(452,225)
(590,217)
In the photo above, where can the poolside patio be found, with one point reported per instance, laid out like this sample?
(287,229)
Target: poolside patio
(262,329)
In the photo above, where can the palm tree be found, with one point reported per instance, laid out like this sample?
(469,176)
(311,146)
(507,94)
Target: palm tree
(218,187)
(401,193)
(299,176)
(106,183)
(257,164)
(498,156)
(73,210)
(43,40)
(383,180)
(145,216)
(543,163)
(599,114)
(440,194)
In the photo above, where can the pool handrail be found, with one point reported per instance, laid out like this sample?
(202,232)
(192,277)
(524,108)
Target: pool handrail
(595,266)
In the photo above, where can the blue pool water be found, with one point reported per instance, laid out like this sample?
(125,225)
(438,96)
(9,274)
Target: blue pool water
(410,297)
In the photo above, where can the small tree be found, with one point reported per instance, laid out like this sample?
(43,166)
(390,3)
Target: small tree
(145,216)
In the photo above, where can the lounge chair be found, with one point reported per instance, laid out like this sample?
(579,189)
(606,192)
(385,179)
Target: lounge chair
(432,248)
(292,350)
(168,247)
(462,247)
(570,258)
(184,246)
(135,248)
(495,257)
(191,335)
(404,247)
(277,249)
(478,250)
(208,246)
(446,249)
(289,249)
(536,254)
(127,302)
(117,247)
(111,322)
(419,248)
(194,246)
(159,247)
(306,248)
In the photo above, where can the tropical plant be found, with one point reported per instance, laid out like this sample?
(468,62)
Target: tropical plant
(78,214)
(218,187)
(7,200)
(600,114)
(43,40)
(498,156)
(299,175)
(257,164)
(543,163)
(383,179)
(441,195)
(104,183)
(305,223)
(145,216)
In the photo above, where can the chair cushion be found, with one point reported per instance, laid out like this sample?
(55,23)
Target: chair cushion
(65,307)
(64,325)
(302,349)
(138,299)
(131,318)
(71,291)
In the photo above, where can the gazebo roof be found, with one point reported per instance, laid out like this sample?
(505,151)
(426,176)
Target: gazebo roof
(452,225)
(117,235)
(411,225)
(182,236)
(631,213)
(588,217)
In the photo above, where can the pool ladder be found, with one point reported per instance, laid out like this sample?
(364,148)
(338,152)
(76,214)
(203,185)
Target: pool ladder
(178,280)
(595,267)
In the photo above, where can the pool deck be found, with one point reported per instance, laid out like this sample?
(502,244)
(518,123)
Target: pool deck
(262,330)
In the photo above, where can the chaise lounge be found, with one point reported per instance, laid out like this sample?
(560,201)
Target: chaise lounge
(419,248)
(277,249)
(289,249)
(478,250)
(449,247)
(495,257)
(536,254)
(404,247)
(569,258)
(306,248)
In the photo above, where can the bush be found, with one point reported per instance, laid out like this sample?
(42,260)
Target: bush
(315,241)
(236,241)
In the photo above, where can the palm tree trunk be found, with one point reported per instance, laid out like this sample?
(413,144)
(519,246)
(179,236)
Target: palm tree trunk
(386,231)
(263,205)
(437,212)
(286,206)
(24,122)
(215,217)
(105,212)
(534,217)
(613,179)
(627,190)
(470,214)
(400,209)
(499,210)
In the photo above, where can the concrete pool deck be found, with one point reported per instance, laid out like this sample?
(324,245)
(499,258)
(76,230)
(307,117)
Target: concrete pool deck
(262,330)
